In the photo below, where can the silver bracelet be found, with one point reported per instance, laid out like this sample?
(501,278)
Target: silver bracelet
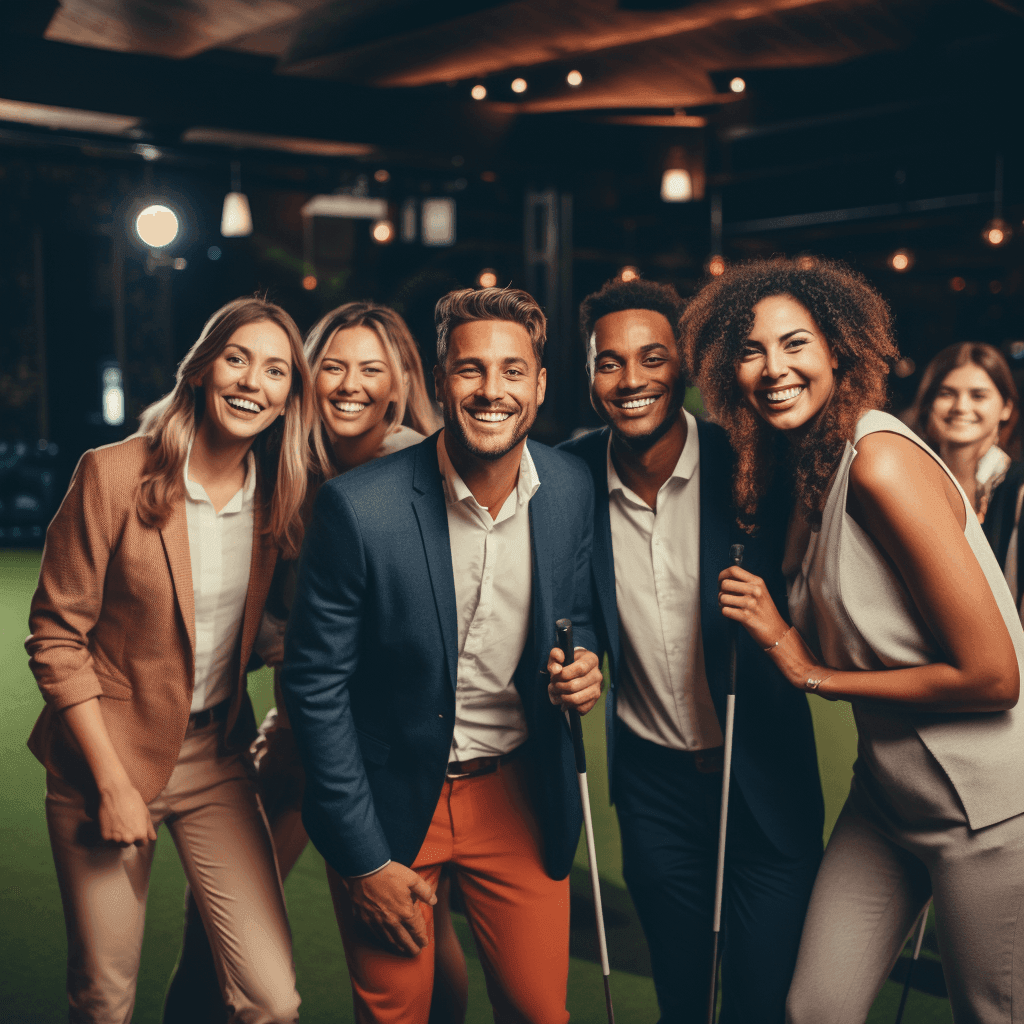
(812,685)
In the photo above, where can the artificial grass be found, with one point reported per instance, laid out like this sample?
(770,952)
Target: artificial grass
(32,941)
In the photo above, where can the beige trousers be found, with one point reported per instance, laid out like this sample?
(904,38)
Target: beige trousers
(211,809)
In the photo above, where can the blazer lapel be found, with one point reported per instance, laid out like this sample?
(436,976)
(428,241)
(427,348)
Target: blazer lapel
(261,572)
(174,535)
(604,555)
(432,516)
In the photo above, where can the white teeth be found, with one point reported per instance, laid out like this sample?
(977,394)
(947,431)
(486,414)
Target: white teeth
(491,417)
(243,403)
(349,406)
(784,395)
(639,403)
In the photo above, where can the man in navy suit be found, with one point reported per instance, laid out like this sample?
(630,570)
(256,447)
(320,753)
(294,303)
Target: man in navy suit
(662,530)
(424,691)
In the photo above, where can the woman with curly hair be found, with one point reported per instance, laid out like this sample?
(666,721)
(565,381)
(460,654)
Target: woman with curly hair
(898,606)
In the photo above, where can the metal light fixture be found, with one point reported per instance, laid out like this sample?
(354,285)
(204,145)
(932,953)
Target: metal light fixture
(235,218)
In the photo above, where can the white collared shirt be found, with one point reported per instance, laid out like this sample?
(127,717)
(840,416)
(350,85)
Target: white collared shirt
(220,549)
(663,693)
(491,562)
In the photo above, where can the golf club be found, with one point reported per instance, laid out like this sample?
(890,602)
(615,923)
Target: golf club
(914,959)
(563,630)
(736,557)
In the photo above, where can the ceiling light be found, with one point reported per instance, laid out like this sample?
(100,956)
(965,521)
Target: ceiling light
(629,274)
(478,92)
(437,221)
(901,260)
(235,218)
(996,232)
(487,279)
(383,231)
(676,185)
(519,85)
(737,84)
(574,78)
(157,225)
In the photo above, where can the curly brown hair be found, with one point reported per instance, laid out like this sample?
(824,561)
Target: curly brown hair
(857,324)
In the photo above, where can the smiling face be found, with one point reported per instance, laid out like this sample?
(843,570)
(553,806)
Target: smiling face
(247,385)
(786,367)
(490,387)
(636,376)
(968,408)
(355,384)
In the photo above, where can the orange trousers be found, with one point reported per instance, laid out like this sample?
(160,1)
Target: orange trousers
(485,828)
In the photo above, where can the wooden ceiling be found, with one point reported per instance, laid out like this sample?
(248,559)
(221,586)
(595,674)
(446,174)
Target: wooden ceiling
(644,63)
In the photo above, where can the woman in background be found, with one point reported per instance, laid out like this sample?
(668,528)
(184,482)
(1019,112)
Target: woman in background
(372,399)
(153,580)
(899,607)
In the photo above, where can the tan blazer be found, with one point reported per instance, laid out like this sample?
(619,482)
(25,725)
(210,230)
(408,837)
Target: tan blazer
(114,617)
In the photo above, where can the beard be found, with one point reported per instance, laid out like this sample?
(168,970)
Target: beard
(642,442)
(453,424)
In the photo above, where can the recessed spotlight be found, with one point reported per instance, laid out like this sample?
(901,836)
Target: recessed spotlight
(519,85)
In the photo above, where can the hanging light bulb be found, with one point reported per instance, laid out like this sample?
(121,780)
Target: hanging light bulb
(716,266)
(235,219)
(676,181)
(901,260)
(996,232)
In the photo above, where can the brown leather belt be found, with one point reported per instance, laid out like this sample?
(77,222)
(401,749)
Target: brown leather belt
(218,713)
(708,761)
(479,765)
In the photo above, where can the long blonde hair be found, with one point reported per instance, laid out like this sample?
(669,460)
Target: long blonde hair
(412,407)
(281,450)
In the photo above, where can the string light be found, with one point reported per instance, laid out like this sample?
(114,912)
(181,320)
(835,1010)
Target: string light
(478,92)
(519,85)
(574,78)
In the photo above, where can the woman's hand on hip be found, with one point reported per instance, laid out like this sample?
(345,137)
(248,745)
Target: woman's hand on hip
(744,598)
(124,817)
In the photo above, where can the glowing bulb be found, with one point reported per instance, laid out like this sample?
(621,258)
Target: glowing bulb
(629,274)
(235,219)
(309,282)
(901,260)
(381,175)
(716,266)
(479,92)
(676,186)
(996,232)
(574,78)
(958,284)
(487,279)
(737,84)
(383,231)
(157,226)
(519,85)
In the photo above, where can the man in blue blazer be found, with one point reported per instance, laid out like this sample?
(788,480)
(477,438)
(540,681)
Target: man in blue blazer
(663,525)
(423,688)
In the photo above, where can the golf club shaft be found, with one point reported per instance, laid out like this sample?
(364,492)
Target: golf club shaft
(563,629)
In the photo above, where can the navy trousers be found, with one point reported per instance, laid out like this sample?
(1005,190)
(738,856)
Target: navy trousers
(668,817)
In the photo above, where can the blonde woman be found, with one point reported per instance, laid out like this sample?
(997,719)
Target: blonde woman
(151,591)
(372,401)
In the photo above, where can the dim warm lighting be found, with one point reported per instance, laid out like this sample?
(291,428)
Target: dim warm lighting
(629,274)
(113,395)
(574,78)
(996,232)
(437,221)
(958,284)
(489,176)
(157,226)
(901,260)
(487,279)
(236,220)
(382,231)
(519,85)
(479,92)
(737,84)
(716,266)
(904,367)
(676,185)
(381,175)
(995,287)
(309,282)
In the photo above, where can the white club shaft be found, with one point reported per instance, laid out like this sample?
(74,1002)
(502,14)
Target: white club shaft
(723,817)
(595,883)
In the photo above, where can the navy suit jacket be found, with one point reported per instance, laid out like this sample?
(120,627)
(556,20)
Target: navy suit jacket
(371,655)
(774,759)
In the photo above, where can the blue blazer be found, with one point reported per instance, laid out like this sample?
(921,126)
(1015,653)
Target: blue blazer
(774,759)
(371,655)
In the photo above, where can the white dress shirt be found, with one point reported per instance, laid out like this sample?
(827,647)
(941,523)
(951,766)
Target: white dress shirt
(663,693)
(491,562)
(220,549)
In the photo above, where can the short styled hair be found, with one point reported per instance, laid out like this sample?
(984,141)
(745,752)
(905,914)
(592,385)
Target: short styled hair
(467,305)
(617,295)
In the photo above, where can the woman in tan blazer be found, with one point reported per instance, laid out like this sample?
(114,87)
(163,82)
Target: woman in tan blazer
(151,592)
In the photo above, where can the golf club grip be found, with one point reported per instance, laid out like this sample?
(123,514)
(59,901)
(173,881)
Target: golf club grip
(563,633)
(735,558)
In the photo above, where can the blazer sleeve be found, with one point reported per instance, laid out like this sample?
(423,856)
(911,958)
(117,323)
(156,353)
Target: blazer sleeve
(583,631)
(68,600)
(320,661)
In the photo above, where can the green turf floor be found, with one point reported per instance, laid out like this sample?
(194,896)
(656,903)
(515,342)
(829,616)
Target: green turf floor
(32,943)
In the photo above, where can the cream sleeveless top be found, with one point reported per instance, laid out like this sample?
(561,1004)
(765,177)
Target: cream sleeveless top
(853,607)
